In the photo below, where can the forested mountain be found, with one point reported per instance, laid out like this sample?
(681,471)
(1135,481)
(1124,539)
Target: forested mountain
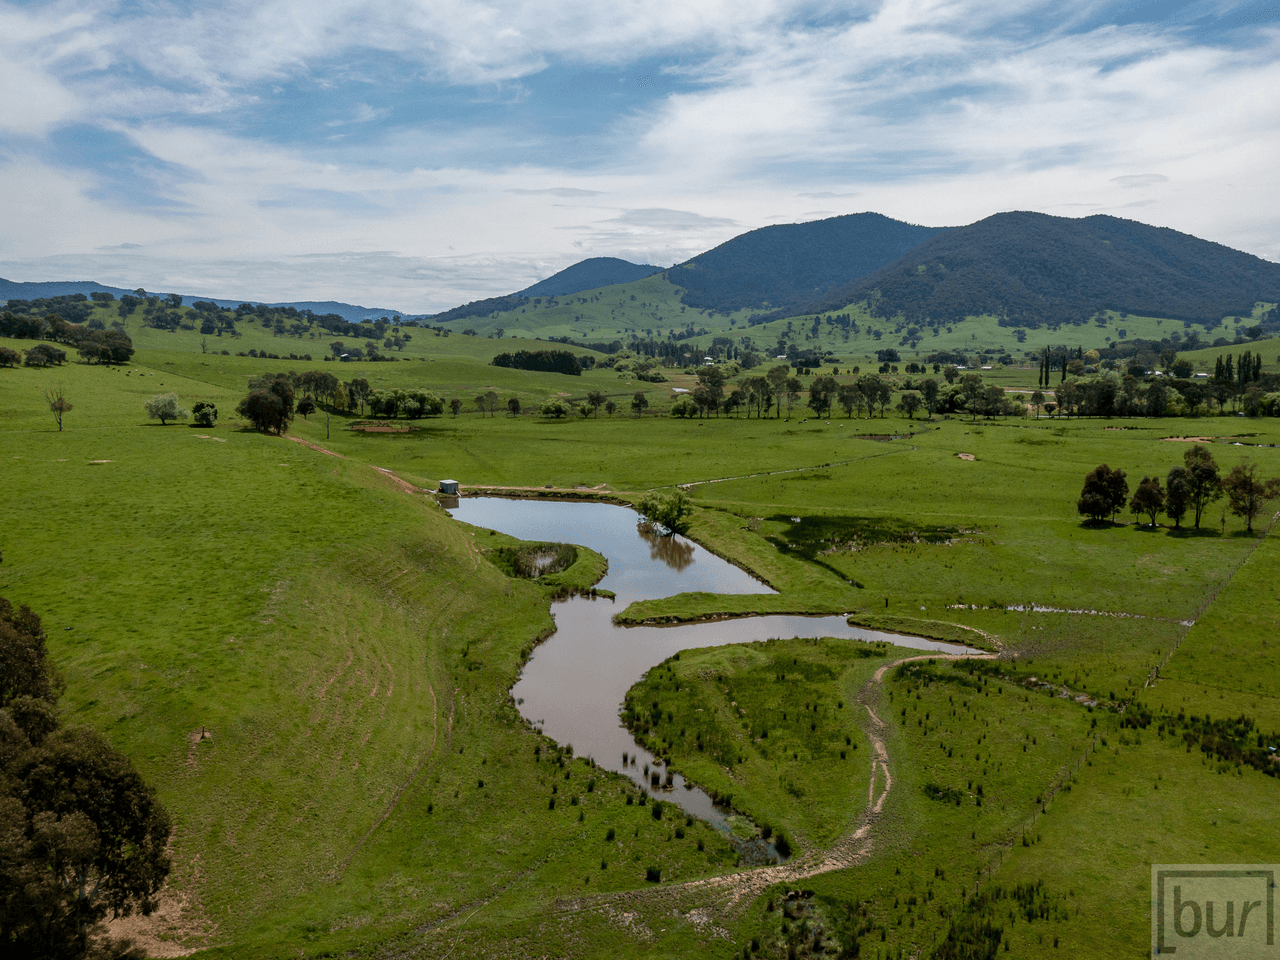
(784,266)
(589,275)
(1032,270)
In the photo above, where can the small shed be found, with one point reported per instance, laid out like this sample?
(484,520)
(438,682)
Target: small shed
(449,487)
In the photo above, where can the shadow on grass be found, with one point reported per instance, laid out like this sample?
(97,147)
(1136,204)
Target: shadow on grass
(1183,533)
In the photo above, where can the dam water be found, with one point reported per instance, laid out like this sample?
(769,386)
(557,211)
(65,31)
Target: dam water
(573,686)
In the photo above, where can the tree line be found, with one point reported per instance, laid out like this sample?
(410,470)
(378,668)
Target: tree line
(544,361)
(1188,489)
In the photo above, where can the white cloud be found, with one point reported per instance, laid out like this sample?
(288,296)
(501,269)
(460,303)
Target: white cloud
(1132,180)
(565,193)
(932,111)
(35,100)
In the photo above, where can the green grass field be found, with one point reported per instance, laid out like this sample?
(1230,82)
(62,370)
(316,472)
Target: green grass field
(370,788)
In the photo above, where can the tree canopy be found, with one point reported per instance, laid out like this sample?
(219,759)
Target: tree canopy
(165,407)
(671,511)
(81,833)
(269,405)
(1104,494)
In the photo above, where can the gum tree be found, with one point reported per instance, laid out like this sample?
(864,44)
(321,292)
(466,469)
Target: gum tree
(165,407)
(1247,496)
(1104,494)
(1148,500)
(1204,485)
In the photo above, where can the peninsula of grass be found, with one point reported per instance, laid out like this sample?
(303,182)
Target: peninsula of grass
(772,729)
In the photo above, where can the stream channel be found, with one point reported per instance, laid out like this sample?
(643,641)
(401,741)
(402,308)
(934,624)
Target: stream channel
(573,687)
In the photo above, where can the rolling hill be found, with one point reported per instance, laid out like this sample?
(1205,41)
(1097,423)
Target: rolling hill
(1032,270)
(785,266)
(14,290)
(589,274)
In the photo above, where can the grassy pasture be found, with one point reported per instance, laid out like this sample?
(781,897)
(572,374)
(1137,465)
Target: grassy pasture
(347,645)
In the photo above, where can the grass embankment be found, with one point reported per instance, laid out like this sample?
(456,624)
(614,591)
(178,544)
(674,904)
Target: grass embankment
(349,650)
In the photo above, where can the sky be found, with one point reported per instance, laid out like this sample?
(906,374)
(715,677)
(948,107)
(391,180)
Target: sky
(418,154)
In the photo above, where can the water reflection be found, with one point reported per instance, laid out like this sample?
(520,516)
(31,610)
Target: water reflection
(573,686)
(675,552)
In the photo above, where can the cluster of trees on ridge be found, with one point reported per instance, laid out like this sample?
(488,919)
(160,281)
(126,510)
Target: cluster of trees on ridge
(94,344)
(1190,488)
(82,835)
(169,313)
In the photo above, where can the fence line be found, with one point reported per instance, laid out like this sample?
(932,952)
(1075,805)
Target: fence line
(1154,675)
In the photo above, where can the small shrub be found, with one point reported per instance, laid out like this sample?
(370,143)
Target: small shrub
(204,414)
(653,874)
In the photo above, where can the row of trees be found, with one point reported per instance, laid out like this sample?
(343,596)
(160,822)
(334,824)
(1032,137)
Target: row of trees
(1188,489)
(546,361)
(82,835)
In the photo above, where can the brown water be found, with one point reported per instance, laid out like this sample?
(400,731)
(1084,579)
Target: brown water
(573,687)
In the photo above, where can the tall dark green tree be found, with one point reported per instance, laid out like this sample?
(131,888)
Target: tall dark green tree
(1177,495)
(822,393)
(1247,495)
(1204,485)
(269,405)
(1104,494)
(1148,500)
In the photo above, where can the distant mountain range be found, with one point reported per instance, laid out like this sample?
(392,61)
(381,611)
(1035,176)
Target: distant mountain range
(12,290)
(1031,269)
(1027,269)
(780,266)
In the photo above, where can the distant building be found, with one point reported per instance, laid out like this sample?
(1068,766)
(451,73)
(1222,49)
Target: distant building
(449,487)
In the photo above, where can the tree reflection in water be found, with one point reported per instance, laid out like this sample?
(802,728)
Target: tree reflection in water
(674,552)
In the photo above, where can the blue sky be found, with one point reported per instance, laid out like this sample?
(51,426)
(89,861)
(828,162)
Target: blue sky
(416,155)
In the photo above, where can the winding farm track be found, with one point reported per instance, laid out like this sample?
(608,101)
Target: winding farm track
(724,893)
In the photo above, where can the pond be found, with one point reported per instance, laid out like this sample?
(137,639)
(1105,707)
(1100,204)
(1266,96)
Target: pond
(573,687)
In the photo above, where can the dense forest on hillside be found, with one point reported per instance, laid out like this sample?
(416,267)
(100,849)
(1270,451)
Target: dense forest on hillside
(589,274)
(789,264)
(1033,270)
(481,308)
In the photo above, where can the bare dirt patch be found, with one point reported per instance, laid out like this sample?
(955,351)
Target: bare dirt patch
(178,926)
